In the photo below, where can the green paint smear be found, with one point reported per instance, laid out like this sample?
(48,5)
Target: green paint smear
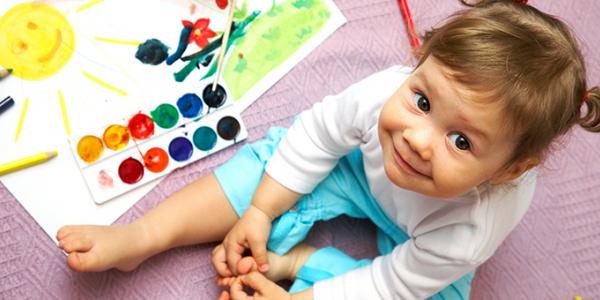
(236,34)
(165,115)
(272,39)
(182,74)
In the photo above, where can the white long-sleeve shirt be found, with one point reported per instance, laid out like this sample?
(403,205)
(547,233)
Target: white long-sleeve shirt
(447,238)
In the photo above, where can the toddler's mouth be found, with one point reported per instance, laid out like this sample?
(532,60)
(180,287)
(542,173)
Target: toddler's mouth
(406,166)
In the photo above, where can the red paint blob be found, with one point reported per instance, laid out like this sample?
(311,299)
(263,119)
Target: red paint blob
(222,4)
(156,160)
(131,171)
(141,126)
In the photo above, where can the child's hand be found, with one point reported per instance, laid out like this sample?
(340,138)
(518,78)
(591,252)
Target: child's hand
(264,289)
(250,232)
(225,277)
(245,265)
(219,261)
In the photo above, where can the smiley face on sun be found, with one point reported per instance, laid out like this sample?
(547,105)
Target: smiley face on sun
(39,40)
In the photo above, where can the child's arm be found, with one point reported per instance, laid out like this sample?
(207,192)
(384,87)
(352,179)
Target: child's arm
(270,200)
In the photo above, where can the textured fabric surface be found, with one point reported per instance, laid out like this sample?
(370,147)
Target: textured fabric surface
(553,254)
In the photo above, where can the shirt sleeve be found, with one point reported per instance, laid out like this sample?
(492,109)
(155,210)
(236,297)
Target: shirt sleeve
(331,129)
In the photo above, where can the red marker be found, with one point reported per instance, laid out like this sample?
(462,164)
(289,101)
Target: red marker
(414,40)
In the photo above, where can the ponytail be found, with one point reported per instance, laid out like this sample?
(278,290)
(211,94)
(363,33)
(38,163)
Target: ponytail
(590,121)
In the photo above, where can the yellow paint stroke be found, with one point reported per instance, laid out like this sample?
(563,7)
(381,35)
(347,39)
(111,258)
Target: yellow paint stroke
(22,118)
(119,42)
(63,108)
(88,5)
(52,52)
(104,84)
(116,63)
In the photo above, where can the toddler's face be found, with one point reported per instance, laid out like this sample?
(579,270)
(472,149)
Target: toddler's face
(437,142)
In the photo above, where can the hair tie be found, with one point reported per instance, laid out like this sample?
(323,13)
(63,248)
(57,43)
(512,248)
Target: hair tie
(520,1)
(586,96)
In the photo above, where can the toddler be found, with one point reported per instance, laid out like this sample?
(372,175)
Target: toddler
(442,158)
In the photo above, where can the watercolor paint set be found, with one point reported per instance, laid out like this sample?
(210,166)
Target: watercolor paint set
(137,149)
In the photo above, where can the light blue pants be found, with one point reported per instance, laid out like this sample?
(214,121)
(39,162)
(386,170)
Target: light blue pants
(344,192)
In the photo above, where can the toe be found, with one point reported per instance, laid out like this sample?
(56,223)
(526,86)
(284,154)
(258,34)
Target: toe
(69,238)
(80,245)
(81,262)
(74,262)
(63,232)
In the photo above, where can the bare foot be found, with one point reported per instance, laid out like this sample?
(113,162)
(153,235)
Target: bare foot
(280,267)
(99,248)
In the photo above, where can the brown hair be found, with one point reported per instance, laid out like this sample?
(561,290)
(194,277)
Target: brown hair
(528,60)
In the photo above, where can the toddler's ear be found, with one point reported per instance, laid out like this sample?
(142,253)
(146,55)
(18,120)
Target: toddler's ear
(515,170)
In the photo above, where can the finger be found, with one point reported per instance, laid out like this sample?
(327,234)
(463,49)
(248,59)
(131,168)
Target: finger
(256,281)
(224,281)
(236,291)
(224,296)
(219,261)
(218,280)
(259,252)
(218,248)
(233,254)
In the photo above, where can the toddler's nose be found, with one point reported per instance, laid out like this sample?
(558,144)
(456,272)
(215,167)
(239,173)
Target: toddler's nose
(419,141)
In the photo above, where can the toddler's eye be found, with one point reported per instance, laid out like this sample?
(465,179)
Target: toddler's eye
(460,141)
(422,102)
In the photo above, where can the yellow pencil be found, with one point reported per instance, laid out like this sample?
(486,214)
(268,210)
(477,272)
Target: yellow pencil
(27,161)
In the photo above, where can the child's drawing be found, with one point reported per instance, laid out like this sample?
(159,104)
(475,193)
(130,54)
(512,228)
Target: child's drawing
(263,39)
(273,37)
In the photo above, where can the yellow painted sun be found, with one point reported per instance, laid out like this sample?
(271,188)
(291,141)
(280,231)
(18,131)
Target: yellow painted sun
(36,43)
(39,40)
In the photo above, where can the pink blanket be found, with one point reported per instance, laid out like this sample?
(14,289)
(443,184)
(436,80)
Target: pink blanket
(553,254)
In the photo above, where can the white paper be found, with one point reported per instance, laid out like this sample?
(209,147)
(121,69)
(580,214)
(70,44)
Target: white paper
(54,193)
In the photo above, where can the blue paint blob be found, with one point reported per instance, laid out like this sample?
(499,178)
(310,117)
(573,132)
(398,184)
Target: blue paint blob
(180,149)
(183,43)
(190,105)
(205,138)
(152,52)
